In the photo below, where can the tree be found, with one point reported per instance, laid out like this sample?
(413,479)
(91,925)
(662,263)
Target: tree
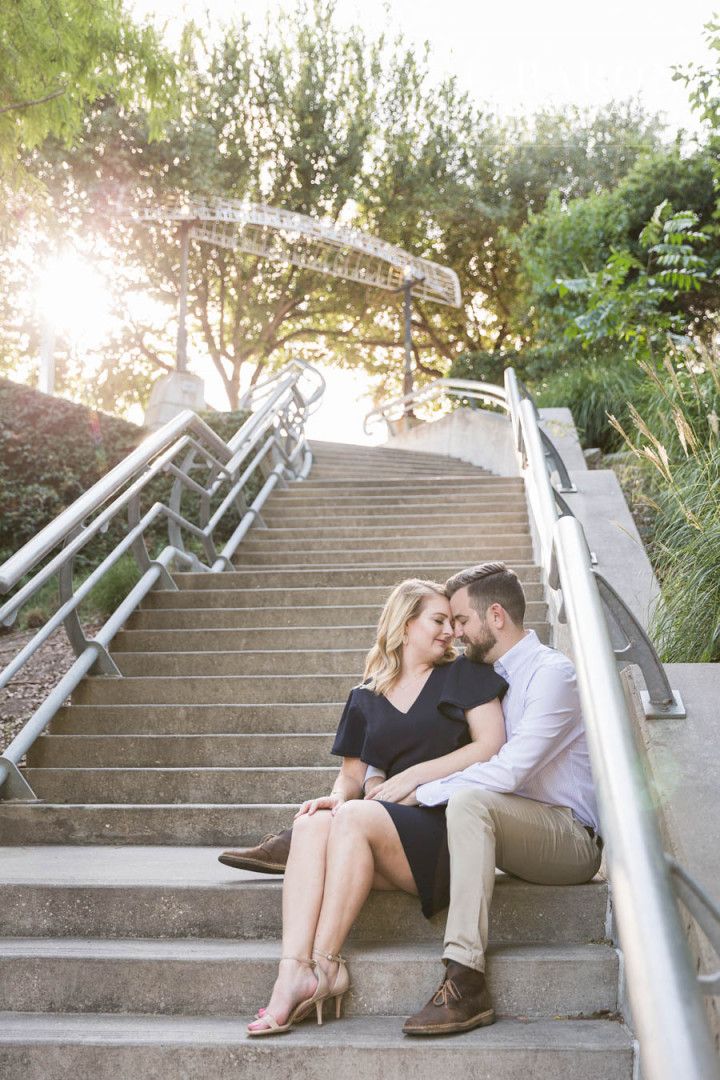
(328,123)
(58,56)
(569,241)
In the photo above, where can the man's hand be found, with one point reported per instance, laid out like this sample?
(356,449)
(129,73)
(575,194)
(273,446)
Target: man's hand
(397,788)
(325,802)
(411,799)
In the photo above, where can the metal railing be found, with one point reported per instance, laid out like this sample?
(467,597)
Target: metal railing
(393,411)
(268,450)
(663,989)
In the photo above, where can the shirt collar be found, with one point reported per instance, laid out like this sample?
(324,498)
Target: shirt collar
(512,660)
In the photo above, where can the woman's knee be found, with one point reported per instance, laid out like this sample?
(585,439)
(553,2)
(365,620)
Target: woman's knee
(312,826)
(356,815)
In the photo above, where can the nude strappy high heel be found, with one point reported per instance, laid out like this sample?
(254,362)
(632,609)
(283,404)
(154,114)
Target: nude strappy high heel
(341,984)
(302,1008)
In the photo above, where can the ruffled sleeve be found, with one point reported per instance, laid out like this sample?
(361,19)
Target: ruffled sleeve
(467,685)
(352,729)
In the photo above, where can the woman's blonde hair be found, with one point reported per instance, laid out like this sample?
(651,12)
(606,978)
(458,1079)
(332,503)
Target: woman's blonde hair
(405,602)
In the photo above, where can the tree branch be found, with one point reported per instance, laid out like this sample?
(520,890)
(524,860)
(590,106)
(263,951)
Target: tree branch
(20,105)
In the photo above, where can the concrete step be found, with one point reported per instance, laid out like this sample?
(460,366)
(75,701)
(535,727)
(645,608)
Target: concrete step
(361,481)
(411,501)
(158,1048)
(181,614)
(290,717)
(114,823)
(496,524)
(342,590)
(379,476)
(322,449)
(184,892)
(224,690)
(408,520)
(177,751)
(493,523)
(180,785)
(258,558)
(276,540)
(252,577)
(302,637)
(318,661)
(248,618)
(229,977)
(359,457)
(346,472)
(372,489)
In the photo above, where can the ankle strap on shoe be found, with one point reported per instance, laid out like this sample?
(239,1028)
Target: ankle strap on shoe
(334,958)
(300,960)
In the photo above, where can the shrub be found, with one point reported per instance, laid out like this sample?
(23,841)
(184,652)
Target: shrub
(592,389)
(112,589)
(50,452)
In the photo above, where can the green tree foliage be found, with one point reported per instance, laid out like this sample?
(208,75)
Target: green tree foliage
(633,301)
(703,84)
(58,56)
(327,122)
(571,241)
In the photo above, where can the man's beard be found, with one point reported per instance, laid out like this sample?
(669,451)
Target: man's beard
(478,650)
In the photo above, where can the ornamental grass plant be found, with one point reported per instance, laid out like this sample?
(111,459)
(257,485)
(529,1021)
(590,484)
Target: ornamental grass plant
(677,437)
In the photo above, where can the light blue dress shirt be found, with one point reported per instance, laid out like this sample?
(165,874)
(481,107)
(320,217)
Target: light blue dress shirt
(545,756)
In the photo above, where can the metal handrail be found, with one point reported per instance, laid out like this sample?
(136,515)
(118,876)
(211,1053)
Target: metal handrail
(253,394)
(394,410)
(705,912)
(271,442)
(664,995)
(664,992)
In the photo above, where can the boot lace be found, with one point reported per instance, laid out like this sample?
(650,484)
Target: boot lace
(445,992)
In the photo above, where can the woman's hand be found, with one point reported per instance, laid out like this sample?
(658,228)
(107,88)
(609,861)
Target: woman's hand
(396,788)
(325,802)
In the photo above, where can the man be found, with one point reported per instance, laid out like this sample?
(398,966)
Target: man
(530,810)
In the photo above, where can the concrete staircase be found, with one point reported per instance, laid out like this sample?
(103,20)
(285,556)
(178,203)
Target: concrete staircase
(128,951)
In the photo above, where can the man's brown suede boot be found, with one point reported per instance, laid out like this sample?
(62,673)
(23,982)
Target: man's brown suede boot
(461,1003)
(268,857)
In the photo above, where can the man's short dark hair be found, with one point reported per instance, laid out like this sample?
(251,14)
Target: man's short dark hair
(491,583)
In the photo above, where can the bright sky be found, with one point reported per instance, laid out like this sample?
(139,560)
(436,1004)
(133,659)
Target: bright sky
(517,55)
(523,54)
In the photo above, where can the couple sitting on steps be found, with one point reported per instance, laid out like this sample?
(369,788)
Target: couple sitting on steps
(465,763)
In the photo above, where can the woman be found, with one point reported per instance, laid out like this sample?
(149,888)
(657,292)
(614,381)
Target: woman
(419,715)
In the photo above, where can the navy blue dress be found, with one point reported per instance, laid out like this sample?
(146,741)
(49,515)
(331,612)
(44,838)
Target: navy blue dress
(372,729)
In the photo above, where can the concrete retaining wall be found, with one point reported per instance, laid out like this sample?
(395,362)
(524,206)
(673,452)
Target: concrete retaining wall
(477,436)
(682,759)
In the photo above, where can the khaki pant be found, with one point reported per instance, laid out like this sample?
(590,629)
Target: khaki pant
(528,839)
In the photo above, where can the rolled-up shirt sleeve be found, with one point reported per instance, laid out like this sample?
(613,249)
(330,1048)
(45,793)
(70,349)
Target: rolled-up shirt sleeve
(372,772)
(548,725)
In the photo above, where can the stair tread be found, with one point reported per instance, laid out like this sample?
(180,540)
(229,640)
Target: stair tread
(238,950)
(363,1032)
(61,864)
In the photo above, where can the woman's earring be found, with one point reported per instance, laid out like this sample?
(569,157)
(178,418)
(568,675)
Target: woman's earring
(405,639)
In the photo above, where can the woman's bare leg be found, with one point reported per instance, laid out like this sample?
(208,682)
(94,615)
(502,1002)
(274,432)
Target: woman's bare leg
(302,897)
(364,852)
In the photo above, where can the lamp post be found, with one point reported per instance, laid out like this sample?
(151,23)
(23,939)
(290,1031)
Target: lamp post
(181,356)
(407,287)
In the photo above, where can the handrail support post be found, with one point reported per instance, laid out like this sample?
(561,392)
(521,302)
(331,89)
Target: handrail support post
(15,786)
